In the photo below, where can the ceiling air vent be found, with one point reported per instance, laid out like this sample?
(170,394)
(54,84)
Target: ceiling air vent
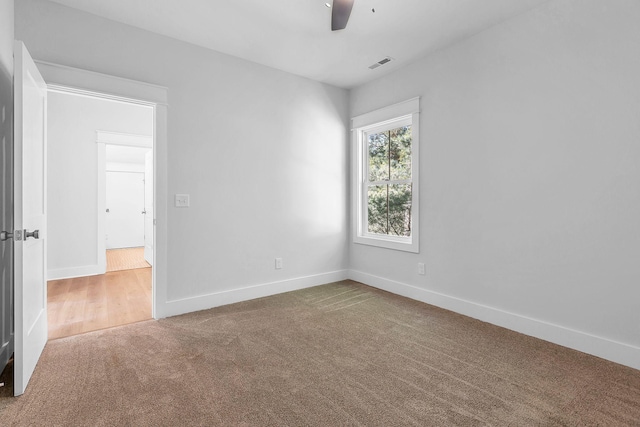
(379,63)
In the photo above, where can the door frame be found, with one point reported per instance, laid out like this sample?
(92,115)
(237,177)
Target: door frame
(81,82)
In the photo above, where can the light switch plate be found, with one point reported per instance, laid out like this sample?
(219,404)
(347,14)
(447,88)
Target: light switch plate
(182,201)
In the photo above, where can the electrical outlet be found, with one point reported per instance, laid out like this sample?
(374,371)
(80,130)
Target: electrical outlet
(421,268)
(278,263)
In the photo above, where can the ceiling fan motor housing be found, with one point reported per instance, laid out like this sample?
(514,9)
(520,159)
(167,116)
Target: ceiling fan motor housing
(340,13)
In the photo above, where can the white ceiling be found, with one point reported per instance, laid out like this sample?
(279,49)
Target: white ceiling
(295,35)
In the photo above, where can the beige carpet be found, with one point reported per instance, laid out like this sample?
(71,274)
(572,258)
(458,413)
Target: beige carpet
(335,355)
(126,259)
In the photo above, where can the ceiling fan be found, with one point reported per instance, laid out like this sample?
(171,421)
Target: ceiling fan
(340,12)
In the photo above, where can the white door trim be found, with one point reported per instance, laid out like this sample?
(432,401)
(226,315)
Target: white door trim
(78,81)
(81,82)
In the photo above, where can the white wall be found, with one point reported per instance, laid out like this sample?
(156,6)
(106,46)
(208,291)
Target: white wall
(73,175)
(6,177)
(530,165)
(262,154)
(125,158)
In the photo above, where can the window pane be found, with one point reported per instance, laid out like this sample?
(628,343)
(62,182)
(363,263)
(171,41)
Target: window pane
(377,209)
(400,210)
(400,153)
(378,156)
(389,209)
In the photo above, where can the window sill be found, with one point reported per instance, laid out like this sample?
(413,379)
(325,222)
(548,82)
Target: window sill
(398,244)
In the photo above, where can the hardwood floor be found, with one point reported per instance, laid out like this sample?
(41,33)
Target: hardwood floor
(84,304)
(126,259)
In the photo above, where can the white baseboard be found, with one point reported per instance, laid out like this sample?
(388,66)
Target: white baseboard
(216,299)
(71,272)
(614,351)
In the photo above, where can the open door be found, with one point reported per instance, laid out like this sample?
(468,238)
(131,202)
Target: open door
(148,207)
(30,207)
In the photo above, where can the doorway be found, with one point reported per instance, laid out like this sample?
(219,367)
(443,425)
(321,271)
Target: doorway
(33,80)
(128,195)
(97,187)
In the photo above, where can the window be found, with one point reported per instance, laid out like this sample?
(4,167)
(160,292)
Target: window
(386,177)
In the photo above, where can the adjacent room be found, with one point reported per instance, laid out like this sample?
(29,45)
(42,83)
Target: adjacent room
(418,212)
(100,245)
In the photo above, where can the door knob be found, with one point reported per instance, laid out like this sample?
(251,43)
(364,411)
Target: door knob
(35,234)
(6,235)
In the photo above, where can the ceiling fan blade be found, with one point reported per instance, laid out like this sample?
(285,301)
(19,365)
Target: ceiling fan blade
(340,13)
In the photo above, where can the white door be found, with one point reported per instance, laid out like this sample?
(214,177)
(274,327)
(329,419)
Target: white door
(125,207)
(30,209)
(148,207)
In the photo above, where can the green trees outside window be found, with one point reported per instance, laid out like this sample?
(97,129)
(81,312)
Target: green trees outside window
(389,182)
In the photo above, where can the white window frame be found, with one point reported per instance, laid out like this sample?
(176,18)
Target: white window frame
(383,119)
